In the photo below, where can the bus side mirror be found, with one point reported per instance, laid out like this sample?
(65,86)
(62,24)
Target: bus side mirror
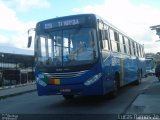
(29,41)
(30,37)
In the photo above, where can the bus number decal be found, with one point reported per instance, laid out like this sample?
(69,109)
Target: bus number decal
(48,26)
(115,61)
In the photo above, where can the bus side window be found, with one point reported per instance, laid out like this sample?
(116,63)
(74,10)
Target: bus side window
(130,47)
(113,40)
(134,52)
(137,49)
(100,38)
(142,48)
(127,45)
(141,51)
(117,40)
(125,51)
(121,43)
(103,33)
(105,40)
(106,34)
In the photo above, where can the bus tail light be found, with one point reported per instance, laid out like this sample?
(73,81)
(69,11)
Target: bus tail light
(93,79)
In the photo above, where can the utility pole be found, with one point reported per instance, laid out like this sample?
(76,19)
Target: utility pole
(2,55)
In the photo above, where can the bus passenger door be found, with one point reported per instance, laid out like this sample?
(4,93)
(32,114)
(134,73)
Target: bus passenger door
(105,55)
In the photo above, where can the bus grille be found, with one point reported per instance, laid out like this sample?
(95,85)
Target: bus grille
(65,75)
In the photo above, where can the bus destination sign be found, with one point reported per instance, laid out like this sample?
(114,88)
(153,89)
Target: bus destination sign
(65,23)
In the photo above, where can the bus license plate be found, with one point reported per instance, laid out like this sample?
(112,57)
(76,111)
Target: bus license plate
(65,90)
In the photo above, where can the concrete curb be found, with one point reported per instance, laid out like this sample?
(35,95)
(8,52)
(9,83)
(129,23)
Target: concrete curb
(17,90)
(15,94)
(14,86)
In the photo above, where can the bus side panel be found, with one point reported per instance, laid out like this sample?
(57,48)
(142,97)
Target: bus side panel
(126,70)
(130,69)
(125,65)
(111,66)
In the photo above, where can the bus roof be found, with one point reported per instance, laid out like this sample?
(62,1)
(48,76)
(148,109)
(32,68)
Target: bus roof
(68,21)
(69,16)
(76,20)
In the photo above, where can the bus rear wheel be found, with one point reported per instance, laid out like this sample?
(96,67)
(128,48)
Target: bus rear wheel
(159,78)
(116,86)
(68,97)
(139,78)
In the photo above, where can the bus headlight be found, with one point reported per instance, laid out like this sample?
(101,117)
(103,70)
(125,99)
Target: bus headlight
(93,79)
(40,81)
(40,76)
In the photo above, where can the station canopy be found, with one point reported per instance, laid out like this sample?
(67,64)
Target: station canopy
(16,56)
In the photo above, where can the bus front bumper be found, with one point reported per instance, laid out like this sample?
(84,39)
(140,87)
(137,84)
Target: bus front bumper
(74,89)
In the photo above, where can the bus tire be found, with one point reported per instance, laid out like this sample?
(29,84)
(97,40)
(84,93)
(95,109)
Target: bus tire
(116,86)
(139,78)
(159,78)
(68,97)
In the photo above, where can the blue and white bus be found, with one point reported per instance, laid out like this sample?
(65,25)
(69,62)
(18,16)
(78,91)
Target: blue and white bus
(84,55)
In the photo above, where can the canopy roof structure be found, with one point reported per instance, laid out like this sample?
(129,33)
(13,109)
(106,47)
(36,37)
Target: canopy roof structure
(15,58)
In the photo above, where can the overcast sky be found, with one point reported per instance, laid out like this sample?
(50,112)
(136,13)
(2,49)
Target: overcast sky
(134,17)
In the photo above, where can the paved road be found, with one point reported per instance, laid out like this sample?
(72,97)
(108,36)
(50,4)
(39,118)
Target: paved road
(31,103)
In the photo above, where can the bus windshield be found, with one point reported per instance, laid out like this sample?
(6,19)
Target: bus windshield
(63,48)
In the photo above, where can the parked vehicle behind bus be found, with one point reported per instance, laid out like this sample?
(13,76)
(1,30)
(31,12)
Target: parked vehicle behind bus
(150,71)
(157,72)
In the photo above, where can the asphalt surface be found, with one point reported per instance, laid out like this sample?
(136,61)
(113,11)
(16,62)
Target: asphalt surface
(149,101)
(141,99)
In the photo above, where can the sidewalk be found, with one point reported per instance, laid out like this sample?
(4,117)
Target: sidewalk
(16,90)
(148,102)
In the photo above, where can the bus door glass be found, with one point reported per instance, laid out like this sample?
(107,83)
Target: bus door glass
(105,50)
(104,42)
